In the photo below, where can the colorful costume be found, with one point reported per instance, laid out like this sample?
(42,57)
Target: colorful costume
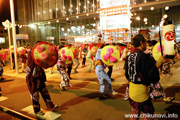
(89,59)
(141,71)
(84,53)
(76,61)
(35,79)
(23,61)
(104,80)
(61,67)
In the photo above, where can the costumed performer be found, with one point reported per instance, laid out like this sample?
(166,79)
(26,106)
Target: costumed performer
(76,59)
(23,56)
(61,67)
(106,89)
(35,79)
(84,53)
(141,70)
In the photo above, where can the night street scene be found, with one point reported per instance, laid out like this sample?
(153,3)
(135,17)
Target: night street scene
(89,60)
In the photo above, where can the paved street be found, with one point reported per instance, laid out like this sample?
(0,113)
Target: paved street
(81,101)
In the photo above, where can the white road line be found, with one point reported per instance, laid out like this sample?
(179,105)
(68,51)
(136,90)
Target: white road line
(174,101)
(48,115)
(2,98)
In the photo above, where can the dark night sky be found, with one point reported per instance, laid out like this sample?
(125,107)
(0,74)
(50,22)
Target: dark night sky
(5,10)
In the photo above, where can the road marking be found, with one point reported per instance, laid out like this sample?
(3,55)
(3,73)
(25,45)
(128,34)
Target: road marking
(48,114)
(175,101)
(2,98)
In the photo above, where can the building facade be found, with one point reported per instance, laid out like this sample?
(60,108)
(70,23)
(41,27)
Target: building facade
(69,21)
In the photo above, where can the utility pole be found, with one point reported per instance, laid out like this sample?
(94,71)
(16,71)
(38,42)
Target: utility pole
(14,34)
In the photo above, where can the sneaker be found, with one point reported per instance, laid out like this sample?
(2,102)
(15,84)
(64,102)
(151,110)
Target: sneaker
(40,115)
(168,99)
(55,108)
(114,93)
(168,75)
(61,87)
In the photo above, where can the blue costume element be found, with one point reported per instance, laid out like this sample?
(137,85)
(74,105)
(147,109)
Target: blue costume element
(104,80)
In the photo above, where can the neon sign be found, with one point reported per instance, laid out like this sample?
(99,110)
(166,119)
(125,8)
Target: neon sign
(114,14)
(113,3)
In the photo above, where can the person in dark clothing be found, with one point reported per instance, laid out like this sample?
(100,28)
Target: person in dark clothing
(13,61)
(110,68)
(69,66)
(110,71)
(1,70)
(23,61)
(141,70)
(84,53)
(35,79)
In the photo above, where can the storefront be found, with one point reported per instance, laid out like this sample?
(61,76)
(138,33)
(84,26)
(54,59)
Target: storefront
(79,20)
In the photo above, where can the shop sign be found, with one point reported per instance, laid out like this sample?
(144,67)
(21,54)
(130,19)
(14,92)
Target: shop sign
(2,40)
(113,3)
(49,38)
(115,22)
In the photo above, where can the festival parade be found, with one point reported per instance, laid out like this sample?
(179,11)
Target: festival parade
(90,60)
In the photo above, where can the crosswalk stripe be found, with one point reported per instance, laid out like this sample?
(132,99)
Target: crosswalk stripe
(48,114)
(2,98)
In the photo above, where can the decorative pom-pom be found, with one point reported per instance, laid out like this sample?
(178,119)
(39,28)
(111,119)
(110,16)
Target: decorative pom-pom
(110,50)
(108,55)
(69,58)
(63,59)
(63,51)
(113,59)
(44,56)
(40,48)
(159,48)
(64,56)
(1,55)
(105,58)
(51,49)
